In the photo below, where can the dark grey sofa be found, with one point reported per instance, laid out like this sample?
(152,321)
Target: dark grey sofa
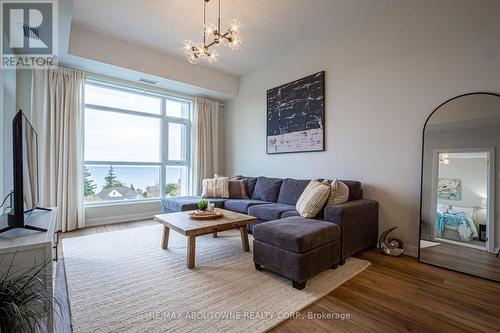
(275,198)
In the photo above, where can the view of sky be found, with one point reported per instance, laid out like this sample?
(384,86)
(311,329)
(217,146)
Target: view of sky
(126,137)
(113,136)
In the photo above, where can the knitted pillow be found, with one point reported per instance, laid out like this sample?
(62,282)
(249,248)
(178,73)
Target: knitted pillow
(312,200)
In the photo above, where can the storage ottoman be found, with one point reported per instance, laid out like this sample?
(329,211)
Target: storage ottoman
(296,248)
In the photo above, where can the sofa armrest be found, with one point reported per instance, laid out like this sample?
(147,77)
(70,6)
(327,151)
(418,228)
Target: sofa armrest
(358,220)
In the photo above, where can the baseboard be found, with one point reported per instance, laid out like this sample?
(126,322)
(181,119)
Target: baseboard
(119,218)
(411,250)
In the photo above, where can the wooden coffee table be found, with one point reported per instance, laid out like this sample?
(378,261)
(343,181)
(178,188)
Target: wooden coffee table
(190,227)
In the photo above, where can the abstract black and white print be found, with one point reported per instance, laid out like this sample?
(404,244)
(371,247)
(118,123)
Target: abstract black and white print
(295,116)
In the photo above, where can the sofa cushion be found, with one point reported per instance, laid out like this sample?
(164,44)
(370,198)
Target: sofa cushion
(291,189)
(242,205)
(179,204)
(290,213)
(296,234)
(355,190)
(269,212)
(267,189)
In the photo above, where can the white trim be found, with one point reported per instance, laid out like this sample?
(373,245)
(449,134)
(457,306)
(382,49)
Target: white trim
(110,203)
(124,111)
(411,251)
(490,152)
(108,80)
(478,247)
(120,218)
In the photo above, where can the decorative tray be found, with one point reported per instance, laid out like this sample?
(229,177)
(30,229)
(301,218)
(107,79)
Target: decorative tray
(200,214)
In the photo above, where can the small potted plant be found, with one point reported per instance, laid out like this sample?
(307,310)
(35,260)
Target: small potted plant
(203,205)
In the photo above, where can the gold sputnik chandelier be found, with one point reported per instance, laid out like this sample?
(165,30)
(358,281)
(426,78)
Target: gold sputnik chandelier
(212,36)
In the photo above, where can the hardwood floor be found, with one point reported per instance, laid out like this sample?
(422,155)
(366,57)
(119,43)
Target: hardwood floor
(463,259)
(402,295)
(392,295)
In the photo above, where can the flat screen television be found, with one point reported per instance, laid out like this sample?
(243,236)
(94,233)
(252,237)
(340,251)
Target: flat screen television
(26,193)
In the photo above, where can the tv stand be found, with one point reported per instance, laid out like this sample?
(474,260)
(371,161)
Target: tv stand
(29,227)
(14,224)
(23,248)
(38,208)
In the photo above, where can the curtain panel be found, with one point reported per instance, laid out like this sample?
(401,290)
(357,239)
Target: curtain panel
(206,143)
(57,107)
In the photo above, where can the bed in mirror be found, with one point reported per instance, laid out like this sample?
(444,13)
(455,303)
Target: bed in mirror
(459,228)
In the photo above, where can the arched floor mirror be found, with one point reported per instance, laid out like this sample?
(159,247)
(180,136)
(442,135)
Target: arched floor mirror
(459,205)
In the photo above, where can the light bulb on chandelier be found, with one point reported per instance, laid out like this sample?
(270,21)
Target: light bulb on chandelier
(234,42)
(234,26)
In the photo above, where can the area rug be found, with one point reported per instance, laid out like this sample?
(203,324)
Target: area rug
(123,281)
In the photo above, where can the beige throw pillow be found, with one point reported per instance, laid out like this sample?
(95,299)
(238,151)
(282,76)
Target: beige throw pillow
(215,187)
(313,199)
(339,193)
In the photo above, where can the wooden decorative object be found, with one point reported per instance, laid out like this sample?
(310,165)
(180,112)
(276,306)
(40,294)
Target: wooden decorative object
(205,214)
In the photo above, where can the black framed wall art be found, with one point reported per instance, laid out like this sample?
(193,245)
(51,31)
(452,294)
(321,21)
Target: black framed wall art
(296,116)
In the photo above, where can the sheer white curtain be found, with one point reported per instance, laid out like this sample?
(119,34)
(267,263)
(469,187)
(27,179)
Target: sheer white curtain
(206,159)
(57,107)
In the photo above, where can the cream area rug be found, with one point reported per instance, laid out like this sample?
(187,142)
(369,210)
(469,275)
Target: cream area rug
(123,281)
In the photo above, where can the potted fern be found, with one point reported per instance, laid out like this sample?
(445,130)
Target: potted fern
(25,305)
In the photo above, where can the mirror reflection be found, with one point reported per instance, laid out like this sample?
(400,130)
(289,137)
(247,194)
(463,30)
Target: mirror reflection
(459,229)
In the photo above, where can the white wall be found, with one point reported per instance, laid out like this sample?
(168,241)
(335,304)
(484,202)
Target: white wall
(9,111)
(121,212)
(2,148)
(383,78)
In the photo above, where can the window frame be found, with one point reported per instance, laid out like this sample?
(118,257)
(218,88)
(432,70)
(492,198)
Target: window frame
(164,132)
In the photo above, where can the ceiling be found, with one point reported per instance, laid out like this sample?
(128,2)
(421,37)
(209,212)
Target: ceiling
(269,27)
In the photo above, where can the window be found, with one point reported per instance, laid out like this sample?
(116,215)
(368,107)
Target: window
(137,144)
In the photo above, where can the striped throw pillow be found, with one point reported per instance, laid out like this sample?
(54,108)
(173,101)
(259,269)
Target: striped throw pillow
(312,200)
(215,187)
(238,189)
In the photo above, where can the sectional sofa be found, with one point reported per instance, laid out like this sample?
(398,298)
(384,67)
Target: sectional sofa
(274,199)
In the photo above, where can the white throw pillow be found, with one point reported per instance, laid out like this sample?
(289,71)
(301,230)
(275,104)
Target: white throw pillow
(313,198)
(339,193)
(215,187)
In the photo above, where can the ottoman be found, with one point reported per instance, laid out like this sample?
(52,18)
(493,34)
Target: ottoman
(296,248)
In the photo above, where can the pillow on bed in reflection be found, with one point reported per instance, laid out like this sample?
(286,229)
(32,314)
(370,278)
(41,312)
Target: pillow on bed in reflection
(442,208)
(469,212)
